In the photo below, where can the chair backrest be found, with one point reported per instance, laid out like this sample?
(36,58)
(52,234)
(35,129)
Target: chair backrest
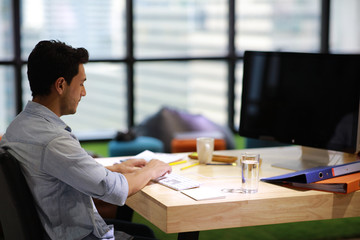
(18,215)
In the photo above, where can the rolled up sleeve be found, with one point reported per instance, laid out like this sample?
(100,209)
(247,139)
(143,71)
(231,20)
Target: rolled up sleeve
(67,161)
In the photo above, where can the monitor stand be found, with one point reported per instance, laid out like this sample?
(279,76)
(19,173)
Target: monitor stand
(315,157)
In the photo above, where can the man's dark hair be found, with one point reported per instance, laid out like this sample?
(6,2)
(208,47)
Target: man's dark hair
(50,60)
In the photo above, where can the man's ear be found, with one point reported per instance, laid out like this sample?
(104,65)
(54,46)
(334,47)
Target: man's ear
(60,85)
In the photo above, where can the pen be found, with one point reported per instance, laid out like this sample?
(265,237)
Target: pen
(176,163)
(216,158)
(220,164)
(192,165)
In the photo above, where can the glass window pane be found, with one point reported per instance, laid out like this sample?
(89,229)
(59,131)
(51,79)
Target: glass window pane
(238,92)
(104,109)
(6,30)
(180,28)
(7,97)
(287,25)
(344,26)
(198,87)
(96,25)
(26,93)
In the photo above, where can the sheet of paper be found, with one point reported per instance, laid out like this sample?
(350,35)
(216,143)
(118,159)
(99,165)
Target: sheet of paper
(165,157)
(109,161)
(147,155)
(203,193)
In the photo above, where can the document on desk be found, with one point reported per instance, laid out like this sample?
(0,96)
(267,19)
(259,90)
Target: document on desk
(165,157)
(316,174)
(147,155)
(109,161)
(203,193)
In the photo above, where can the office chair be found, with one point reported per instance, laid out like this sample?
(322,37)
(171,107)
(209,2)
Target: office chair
(18,215)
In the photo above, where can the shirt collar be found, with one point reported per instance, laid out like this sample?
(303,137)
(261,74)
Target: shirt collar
(47,114)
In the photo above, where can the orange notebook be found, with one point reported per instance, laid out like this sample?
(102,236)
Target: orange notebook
(343,184)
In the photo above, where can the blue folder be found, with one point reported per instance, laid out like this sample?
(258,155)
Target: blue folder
(315,174)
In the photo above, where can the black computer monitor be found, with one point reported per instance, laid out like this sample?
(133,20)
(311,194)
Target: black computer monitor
(306,99)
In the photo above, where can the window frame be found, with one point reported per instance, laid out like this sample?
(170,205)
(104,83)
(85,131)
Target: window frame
(231,57)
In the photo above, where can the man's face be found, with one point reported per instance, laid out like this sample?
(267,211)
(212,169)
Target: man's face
(74,92)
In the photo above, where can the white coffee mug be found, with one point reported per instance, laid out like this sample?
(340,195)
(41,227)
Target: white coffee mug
(205,148)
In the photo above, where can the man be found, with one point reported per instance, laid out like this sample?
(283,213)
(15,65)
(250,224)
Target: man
(63,178)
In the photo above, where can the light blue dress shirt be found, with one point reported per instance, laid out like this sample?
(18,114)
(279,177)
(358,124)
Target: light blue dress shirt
(62,176)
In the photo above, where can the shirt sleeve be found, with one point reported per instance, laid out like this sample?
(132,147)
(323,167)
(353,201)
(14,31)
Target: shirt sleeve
(66,160)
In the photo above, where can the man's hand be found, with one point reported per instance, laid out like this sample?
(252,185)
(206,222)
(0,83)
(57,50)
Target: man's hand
(152,170)
(138,172)
(158,168)
(128,166)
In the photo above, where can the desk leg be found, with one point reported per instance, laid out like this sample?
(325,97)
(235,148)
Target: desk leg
(188,235)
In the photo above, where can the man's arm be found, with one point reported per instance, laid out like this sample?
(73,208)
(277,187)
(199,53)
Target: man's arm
(138,173)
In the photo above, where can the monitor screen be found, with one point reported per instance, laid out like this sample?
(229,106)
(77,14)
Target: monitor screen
(305,99)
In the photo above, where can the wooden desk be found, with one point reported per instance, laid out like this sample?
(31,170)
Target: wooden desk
(173,212)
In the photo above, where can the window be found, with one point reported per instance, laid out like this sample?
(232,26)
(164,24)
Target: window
(278,25)
(180,28)
(7,96)
(95,25)
(7,83)
(197,86)
(6,31)
(183,54)
(344,31)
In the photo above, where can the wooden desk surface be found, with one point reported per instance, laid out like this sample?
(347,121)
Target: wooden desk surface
(174,212)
